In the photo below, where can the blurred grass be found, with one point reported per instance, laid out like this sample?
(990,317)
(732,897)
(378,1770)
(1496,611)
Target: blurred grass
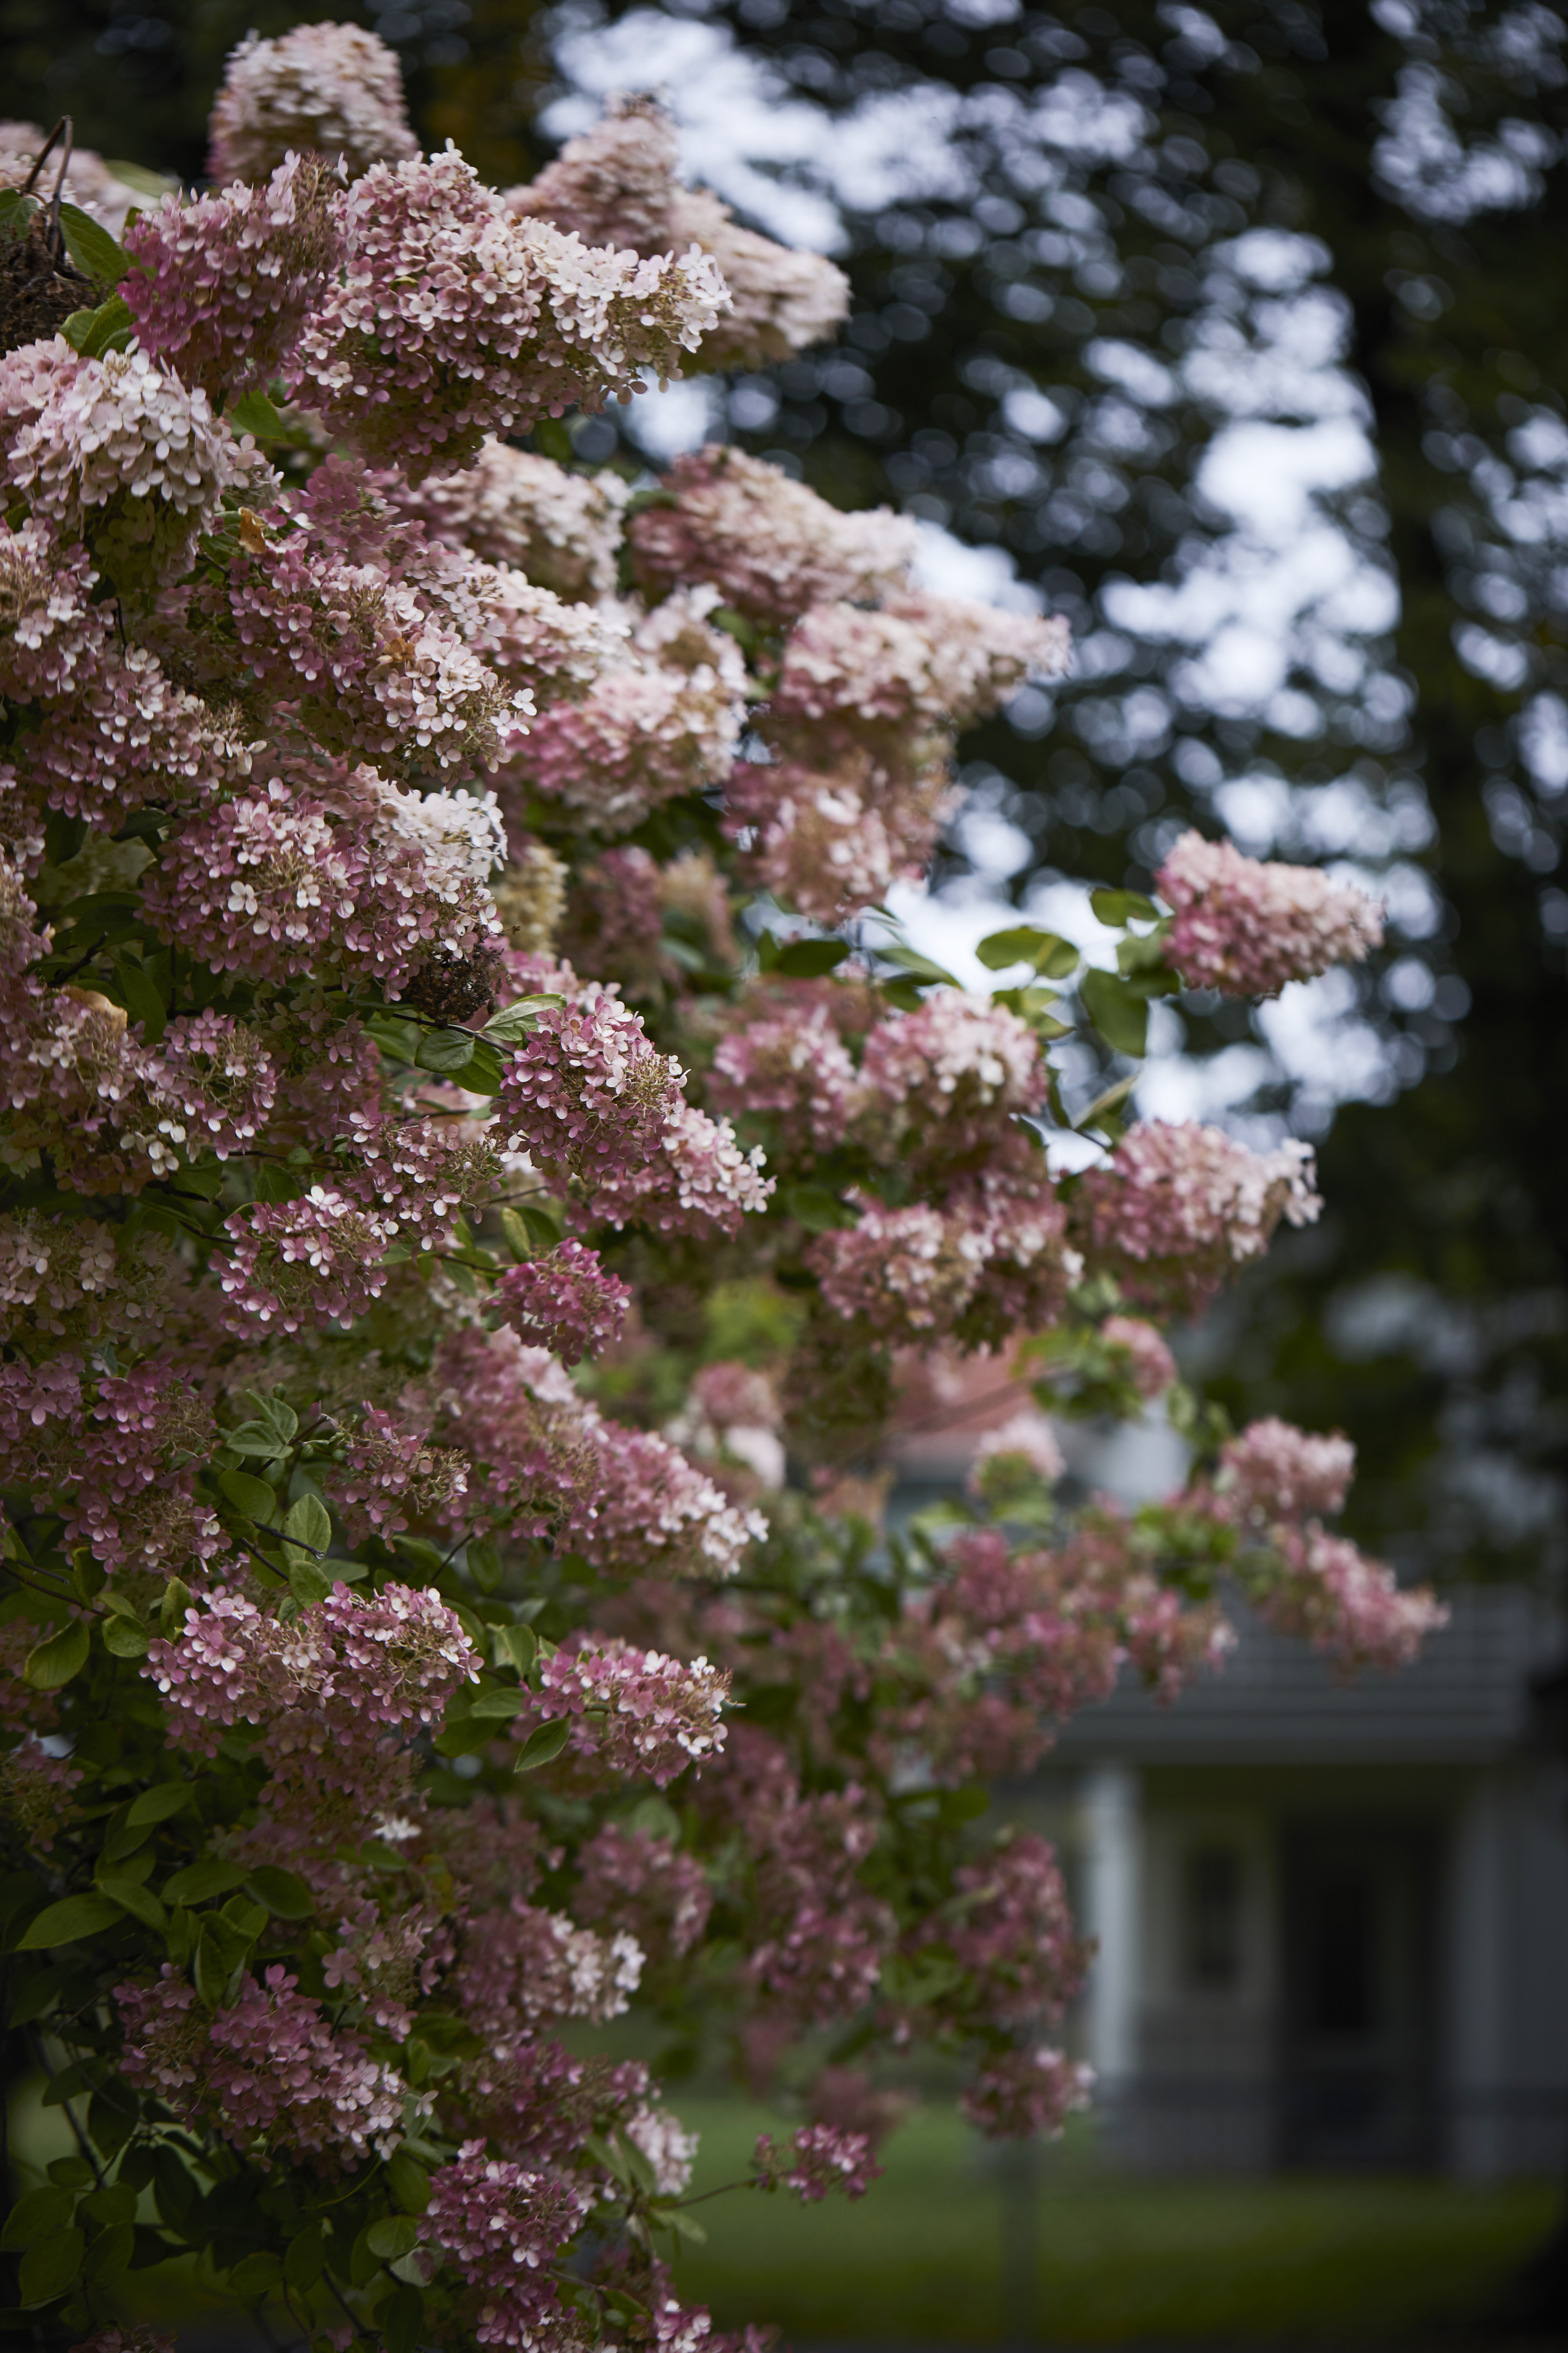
(1120,2260)
(920,2259)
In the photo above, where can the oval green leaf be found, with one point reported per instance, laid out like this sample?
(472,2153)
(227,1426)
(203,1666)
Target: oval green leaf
(199,1882)
(54,1662)
(308,1523)
(544,1745)
(156,1804)
(285,1896)
(392,2236)
(64,1923)
(50,2267)
(37,2215)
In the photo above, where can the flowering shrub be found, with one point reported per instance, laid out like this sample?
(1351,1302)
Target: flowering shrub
(443,1196)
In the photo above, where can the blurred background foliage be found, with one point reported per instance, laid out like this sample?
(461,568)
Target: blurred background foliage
(1143,281)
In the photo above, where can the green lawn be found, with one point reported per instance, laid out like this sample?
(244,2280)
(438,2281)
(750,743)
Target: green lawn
(920,2258)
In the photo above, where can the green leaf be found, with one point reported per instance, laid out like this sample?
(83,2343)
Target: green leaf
(134,989)
(1118,907)
(484,1071)
(393,2236)
(483,1562)
(809,959)
(53,1664)
(248,1494)
(48,2269)
(94,334)
(200,1881)
(258,1438)
(257,2275)
(516,1646)
(493,1704)
(1027,943)
(254,413)
(308,1523)
(400,2318)
(156,1804)
(109,2255)
(1120,1015)
(544,1745)
(277,1414)
(308,1582)
(517,1020)
(685,2226)
(408,2182)
(139,1901)
(447,1050)
(306,2258)
(15,211)
(1104,1107)
(518,1238)
(815,1208)
(920,967)
(37,2215)
(63,1923)
(544,1226)
(92,248)
(122,1638)
(146,181)
(286,1896)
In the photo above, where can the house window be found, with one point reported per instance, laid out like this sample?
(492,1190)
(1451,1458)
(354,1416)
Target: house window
(1211,1919)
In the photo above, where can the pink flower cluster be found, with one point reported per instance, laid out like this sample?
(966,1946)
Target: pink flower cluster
(522,1967)
(635,1713)
(1178,1208)
(296,1264)
(561,530)
(1025,2093)
(990,1260)
(815,2159)
(453,320)
(390,1474)
(117,450)
(393,1660)
(276,883)
(503,2226)
(267,2069)
(1011,1932)
(1152,1364)
(616,185)
(828,842)
(1247,928)
(769,546)
(663,721)
(564,1302)
(961,1062)
(1020,1452)
(589,1098)
(644,1886)
(221,287)
(330,89)
(1275,1471)
(1325,1588)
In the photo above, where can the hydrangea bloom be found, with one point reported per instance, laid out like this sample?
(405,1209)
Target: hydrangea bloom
(1275,1471)
(222,286)
(771,547)
(1178,1206)
(830,841)
(1352,1607)
(637,1712)
(527,320)
(616,185)
(644,1886)
(1152,1365)
(565,1302)
(1026,2092)
(329,89)
(1247,928)
(560,530)
(502,2225)
(815,2159)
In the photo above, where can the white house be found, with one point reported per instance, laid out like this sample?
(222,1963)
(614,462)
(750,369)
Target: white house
(1332,1916)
